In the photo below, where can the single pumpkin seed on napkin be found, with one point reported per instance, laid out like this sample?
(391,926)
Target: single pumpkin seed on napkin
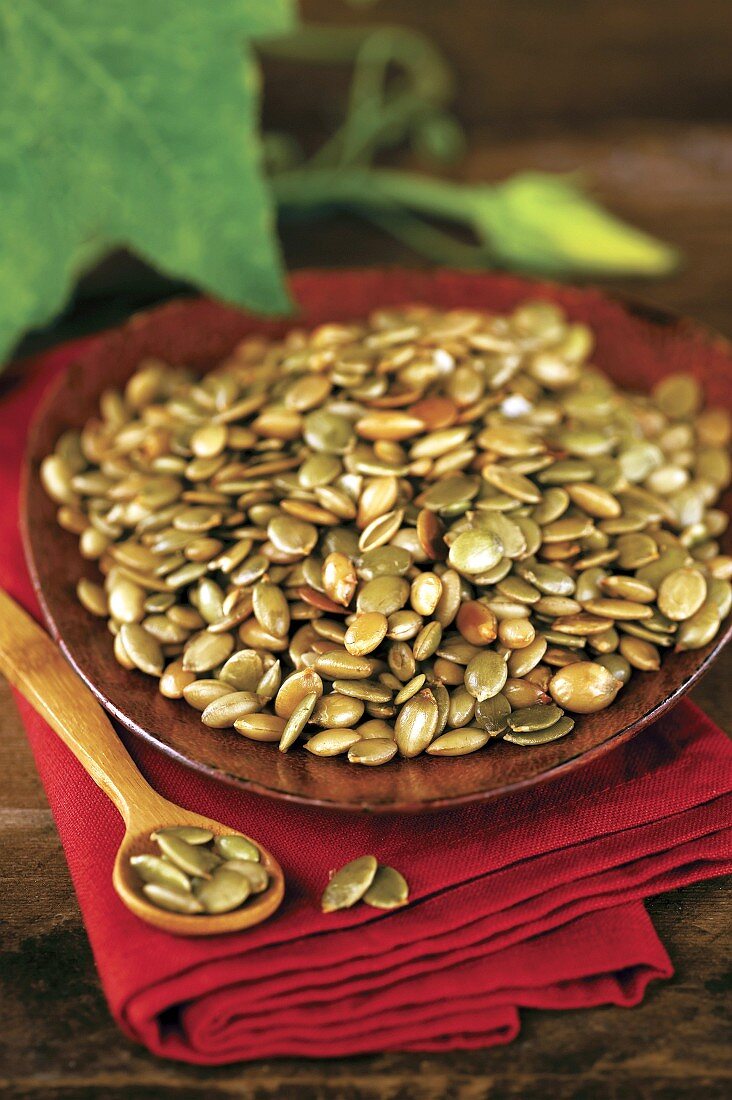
(349,884)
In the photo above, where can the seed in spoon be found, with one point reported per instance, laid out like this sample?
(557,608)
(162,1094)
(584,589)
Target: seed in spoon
(177,901)
(255,873)
(224,891)
(192,834)
(192,859)
(349,884)
(232,846)
(157,870)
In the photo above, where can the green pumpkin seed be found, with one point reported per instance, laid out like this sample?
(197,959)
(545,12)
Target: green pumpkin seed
(349,884)
(474,552)
(255,874)
(194,859)
(699,629)
(584,687)
(681,593)
(332,742)
(175,901)
(383,595)
(485,675)
(388,889)
(157,870)
(492,714)
(416,723)
(92,597)
(206,651)
(536,717)
(222,713)
(337,711)
(271,608)
(201,693)
(243,671)
(226,890)
(143,651)
(410,688)
(192,834)
(617,665)
(560,728)
(459,742)
(297,721)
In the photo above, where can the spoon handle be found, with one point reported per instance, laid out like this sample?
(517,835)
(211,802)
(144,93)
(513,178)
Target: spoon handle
(35,666)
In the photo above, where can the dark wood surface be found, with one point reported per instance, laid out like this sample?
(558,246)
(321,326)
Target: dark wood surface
(56,1038)
(200,334)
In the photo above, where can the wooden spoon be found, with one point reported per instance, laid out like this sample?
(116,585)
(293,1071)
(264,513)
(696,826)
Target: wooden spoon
(33,664)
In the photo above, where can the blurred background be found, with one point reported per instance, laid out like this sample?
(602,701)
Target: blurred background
(635,94)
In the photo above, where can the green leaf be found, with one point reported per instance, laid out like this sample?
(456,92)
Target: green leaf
(133,124)
(545,224)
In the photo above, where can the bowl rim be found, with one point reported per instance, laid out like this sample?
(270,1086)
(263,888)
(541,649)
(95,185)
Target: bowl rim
(686,327)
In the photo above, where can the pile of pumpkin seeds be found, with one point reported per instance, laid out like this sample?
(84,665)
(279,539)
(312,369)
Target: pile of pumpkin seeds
(197,872)
(365,879)
(415,534)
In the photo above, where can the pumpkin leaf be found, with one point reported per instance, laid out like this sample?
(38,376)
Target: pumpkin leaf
(133,124)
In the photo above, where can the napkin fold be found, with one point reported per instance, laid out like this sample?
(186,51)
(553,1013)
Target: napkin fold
(535,900)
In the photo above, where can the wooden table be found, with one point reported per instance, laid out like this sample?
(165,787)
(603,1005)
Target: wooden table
(56,1037)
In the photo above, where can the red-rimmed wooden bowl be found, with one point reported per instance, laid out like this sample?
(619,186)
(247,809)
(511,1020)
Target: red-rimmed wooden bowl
(635,346)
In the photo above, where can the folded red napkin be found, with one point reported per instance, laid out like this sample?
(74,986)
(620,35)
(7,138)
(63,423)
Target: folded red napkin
(535,900)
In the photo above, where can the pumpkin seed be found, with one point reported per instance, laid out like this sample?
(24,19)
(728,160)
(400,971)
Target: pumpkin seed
(492,714)
(366,633)
(681,593)
(699,629)
(337,711)
(485,675)
(372,751)
(223,712)
(226,890)
(192,834)
(296,688)
(157,870)
(142,649)
(206,651)
(349,884)
(261,727)
(640,654)
(416,723)
(459,742)
(201,693)
(474,552)
(536,717)
(193,859)
(584,687)
(332,742)
(255,874)
(388,889)
(176,901)
(297,721)
(560,728)
(92,597)
(619,666)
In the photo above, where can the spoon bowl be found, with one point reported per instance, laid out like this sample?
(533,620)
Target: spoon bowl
(128,885)
(33,664)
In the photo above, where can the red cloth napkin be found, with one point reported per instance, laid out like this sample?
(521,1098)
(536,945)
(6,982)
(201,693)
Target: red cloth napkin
(533,901)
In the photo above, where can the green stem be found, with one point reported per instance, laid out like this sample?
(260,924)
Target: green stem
(429,241)
(375,188)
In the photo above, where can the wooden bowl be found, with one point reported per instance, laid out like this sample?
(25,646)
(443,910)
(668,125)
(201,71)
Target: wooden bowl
(635,346)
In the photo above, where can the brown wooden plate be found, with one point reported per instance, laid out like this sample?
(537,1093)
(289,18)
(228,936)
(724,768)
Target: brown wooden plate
(635,345)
